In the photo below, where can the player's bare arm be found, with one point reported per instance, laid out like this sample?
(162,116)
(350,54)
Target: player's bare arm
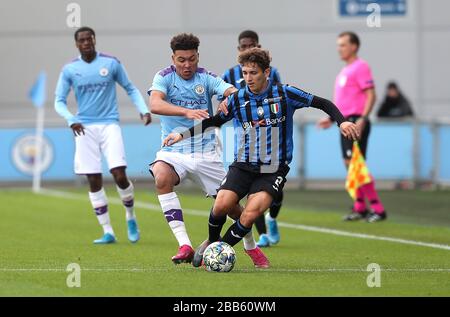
(230,91)
(160,106)
(223,106)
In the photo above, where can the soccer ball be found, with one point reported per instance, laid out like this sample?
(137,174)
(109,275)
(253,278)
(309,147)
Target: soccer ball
(219,257)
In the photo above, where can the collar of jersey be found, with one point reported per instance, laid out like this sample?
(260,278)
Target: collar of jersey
(96,56)
(261,94)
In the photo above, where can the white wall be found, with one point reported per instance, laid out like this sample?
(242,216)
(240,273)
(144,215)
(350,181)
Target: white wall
(413,50)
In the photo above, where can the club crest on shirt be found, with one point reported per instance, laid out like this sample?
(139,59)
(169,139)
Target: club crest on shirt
(260,112)
(199,89)
(103,72)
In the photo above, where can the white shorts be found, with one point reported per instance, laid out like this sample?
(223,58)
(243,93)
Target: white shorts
(206,170)
(99,139)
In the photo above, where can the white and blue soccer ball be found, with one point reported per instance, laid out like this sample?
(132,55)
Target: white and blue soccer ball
(219,257)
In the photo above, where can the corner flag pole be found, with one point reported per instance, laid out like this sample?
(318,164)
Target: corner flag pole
(38,155)
(37,95)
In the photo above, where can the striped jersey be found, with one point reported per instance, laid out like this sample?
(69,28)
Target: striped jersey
(263,123)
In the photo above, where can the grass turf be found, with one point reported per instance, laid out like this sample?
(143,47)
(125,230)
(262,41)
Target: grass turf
(40,235)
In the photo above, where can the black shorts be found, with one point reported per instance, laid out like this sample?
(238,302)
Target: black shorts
(245,180)
(347,145)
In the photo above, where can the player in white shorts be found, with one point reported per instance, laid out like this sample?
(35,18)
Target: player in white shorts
(93,77)
(181,94)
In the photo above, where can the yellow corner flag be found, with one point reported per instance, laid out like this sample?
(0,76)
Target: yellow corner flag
(358,173)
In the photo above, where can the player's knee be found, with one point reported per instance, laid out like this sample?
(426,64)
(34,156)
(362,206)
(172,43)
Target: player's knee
(249,216)
(164,182)
(165,177)
(221,207)
(235,212)
(120,177)
(95,182)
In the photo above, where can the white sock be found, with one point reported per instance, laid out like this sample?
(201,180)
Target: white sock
(249,241)
(172,211)
(268,217)
(127,197)
(100,204)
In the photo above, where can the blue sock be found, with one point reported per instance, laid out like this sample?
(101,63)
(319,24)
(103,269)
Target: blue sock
(235,233)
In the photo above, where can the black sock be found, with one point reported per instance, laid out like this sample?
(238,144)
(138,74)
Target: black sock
(260,224)
(215,225)
(276,206)
(235,233)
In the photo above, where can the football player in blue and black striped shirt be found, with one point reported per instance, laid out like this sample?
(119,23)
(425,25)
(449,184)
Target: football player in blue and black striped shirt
(249,39)
(262,114)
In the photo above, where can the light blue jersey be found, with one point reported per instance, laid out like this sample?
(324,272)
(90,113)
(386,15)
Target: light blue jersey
(195,93)
(94,85)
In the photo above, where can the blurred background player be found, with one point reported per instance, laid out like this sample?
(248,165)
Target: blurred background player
(262,113)
(93,77)
(354,94)
(180,94)
(246,40)
(249,39)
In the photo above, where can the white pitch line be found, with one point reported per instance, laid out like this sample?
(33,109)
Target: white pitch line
(306,270)
(194,212)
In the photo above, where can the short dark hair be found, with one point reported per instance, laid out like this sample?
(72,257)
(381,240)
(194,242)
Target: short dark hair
(354,39)
(84,29)
(184,41)
(249,34)
(392,85)
(255,55)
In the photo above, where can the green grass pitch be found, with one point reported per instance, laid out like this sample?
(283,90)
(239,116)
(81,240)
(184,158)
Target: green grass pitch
(41,234)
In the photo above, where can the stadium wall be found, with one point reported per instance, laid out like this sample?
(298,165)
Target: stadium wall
(412,49)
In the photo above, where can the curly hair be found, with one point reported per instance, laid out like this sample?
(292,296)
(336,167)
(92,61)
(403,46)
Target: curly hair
(255,55)
(184,41)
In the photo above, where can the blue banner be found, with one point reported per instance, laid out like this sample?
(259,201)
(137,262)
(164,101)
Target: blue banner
(355,8)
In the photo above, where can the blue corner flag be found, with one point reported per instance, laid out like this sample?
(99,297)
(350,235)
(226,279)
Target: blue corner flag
(37,93)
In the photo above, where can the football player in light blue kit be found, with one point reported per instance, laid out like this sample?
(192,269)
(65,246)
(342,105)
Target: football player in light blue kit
(93,78)
(181,94)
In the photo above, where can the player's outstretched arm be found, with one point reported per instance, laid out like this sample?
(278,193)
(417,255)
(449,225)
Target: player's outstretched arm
(217,121)
(348,129)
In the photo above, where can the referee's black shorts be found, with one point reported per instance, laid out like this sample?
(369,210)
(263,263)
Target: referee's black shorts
(347,145)
(244,180)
